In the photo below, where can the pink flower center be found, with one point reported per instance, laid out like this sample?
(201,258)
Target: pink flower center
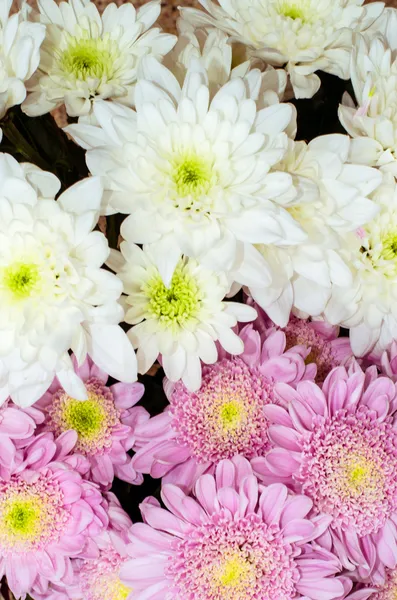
(93,419)
(32,515)
(240,559)
(299,333)
(99,578)
(349,466)
(225,417)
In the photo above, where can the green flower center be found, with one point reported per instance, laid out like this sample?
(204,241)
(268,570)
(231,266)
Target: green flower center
(380,249)
(21,279)
(192,175)
(389,250)
(176,305)
(85,417)
(231,414)
(22,518)
(89,58)
(294,9)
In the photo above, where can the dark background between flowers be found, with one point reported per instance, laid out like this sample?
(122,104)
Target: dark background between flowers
(42,142)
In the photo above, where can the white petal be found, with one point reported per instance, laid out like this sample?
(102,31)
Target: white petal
(111,350)
(83,196)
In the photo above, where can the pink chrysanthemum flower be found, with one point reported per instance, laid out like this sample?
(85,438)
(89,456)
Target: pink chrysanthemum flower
(223,418)
(233,540)
(104,422)
(17,425)
(338,446)
(48,514)
(323,349)
(97,577)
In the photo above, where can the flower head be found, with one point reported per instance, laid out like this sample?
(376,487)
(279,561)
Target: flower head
(324,349)
(87,56)
(330,196)
(104,422)
(48,515)
(229,541)
(182,320)
(53,293)
(338,446)
(20,43)
(306,35)
(225,417)
(373,121)
(223,58)
(95,577)
(184,164)
(99,577)
(367,305)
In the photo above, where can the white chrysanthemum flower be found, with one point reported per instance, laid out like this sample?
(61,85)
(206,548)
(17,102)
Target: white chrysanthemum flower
(194,172)
(373,123)
(54,296)
(368,306)
(330,199)
(19,54)
(223,60)
(304,35)
(181,322)
(87,56)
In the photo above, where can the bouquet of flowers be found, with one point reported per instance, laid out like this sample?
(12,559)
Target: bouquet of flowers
(198,301)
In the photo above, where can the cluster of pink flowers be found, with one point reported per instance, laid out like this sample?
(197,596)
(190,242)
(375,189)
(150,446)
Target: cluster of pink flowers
(278,480)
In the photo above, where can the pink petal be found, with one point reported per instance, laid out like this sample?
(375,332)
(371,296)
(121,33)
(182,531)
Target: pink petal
(181,505)
(127,394)
(281,462)
(206,494)
(230,500)
(285,437)
(297,507)
(163,520)
(272,502)
(146,569)
(322,589)
(186,474)
(145,539)
(249,492)
(16,424)
(277,415)
(299,530)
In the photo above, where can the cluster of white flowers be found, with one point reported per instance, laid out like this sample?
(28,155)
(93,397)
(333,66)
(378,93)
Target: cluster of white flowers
(192,137)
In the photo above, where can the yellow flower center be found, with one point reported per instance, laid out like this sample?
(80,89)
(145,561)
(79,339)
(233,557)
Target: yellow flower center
(89,58)
(21,280)
(231,414)
(85,417)
(360,475)
(234,575)
(176,305)
(22,518)
(121,591)
(192,175)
